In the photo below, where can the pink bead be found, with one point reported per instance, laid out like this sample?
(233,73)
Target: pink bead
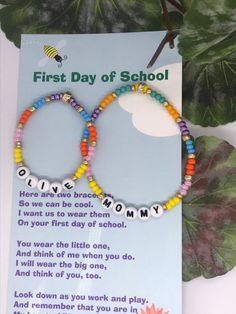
(92,149)
(184,187)
(183,192)
(89,172)
(19,131)
(18,138)
(188,183)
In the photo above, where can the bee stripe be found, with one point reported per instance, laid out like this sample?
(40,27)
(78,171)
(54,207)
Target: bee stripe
(51,52)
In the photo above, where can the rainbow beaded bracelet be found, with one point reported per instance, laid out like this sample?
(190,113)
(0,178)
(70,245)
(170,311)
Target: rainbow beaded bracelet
(24,173)
(155,210)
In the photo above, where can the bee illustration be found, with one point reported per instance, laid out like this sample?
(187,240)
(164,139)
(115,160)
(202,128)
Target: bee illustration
(52,53)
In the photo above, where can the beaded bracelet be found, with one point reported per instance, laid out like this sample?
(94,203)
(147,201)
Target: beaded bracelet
(24,173)
(156,210)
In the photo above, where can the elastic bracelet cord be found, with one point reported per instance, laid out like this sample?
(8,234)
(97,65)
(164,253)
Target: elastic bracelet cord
(90,135)
(155,210)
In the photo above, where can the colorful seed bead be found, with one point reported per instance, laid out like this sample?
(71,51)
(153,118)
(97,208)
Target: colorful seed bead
(155,210)
(89,135)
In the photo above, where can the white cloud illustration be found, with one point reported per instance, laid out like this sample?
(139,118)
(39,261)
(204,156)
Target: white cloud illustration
(148,116)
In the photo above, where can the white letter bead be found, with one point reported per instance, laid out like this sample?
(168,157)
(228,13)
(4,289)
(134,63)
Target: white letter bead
(31,181)
(22,172)
(119,208)
(156,210)
(43,185)
(107,202)
(68,184)
(131,213)
(144,213)
(55,188)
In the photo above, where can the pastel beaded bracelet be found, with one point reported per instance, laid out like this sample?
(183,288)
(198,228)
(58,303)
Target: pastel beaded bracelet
(89,136)
(155,210)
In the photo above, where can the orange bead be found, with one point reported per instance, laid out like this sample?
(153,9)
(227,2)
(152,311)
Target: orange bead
(110,97)
(169,108)
(176,115)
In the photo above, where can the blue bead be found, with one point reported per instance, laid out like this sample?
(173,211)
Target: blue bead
(191,151)
(158,97)
(123,89)
(153,94)
(190,147)
(189,142)
(162,100)
(128,88)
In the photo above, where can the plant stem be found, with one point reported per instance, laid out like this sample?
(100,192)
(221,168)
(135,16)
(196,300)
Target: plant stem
(177,5)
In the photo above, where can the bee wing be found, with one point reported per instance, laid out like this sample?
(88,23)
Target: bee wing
(60,44)
(43,62)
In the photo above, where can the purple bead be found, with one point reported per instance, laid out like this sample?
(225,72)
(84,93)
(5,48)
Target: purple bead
(185,133)
(52,97)
(61,95)
(57,96)
(97,111)
(182,123)
(184,129)
(74,104)
(72,100)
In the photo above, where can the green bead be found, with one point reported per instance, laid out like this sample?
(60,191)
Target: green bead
(153,94)
(128,88)
(158,97)
(117,92)
(123,89)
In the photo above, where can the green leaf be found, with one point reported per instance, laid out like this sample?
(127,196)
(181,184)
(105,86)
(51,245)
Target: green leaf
(209,212)
(208,33)
(78,16)
(209,93)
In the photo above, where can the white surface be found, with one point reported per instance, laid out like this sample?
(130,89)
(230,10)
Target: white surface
(200,296)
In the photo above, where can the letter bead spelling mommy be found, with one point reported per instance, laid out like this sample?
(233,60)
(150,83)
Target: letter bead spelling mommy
(156,210)
(90,136)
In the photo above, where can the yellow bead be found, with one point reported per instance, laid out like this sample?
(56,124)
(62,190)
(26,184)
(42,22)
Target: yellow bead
(168,206)
(92,183)
(18,159)
(84,167)
(96,189)
(78,175)
(80,170)
(99,191)
(176,199)
(136,86)
(171,201)
(17,149)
